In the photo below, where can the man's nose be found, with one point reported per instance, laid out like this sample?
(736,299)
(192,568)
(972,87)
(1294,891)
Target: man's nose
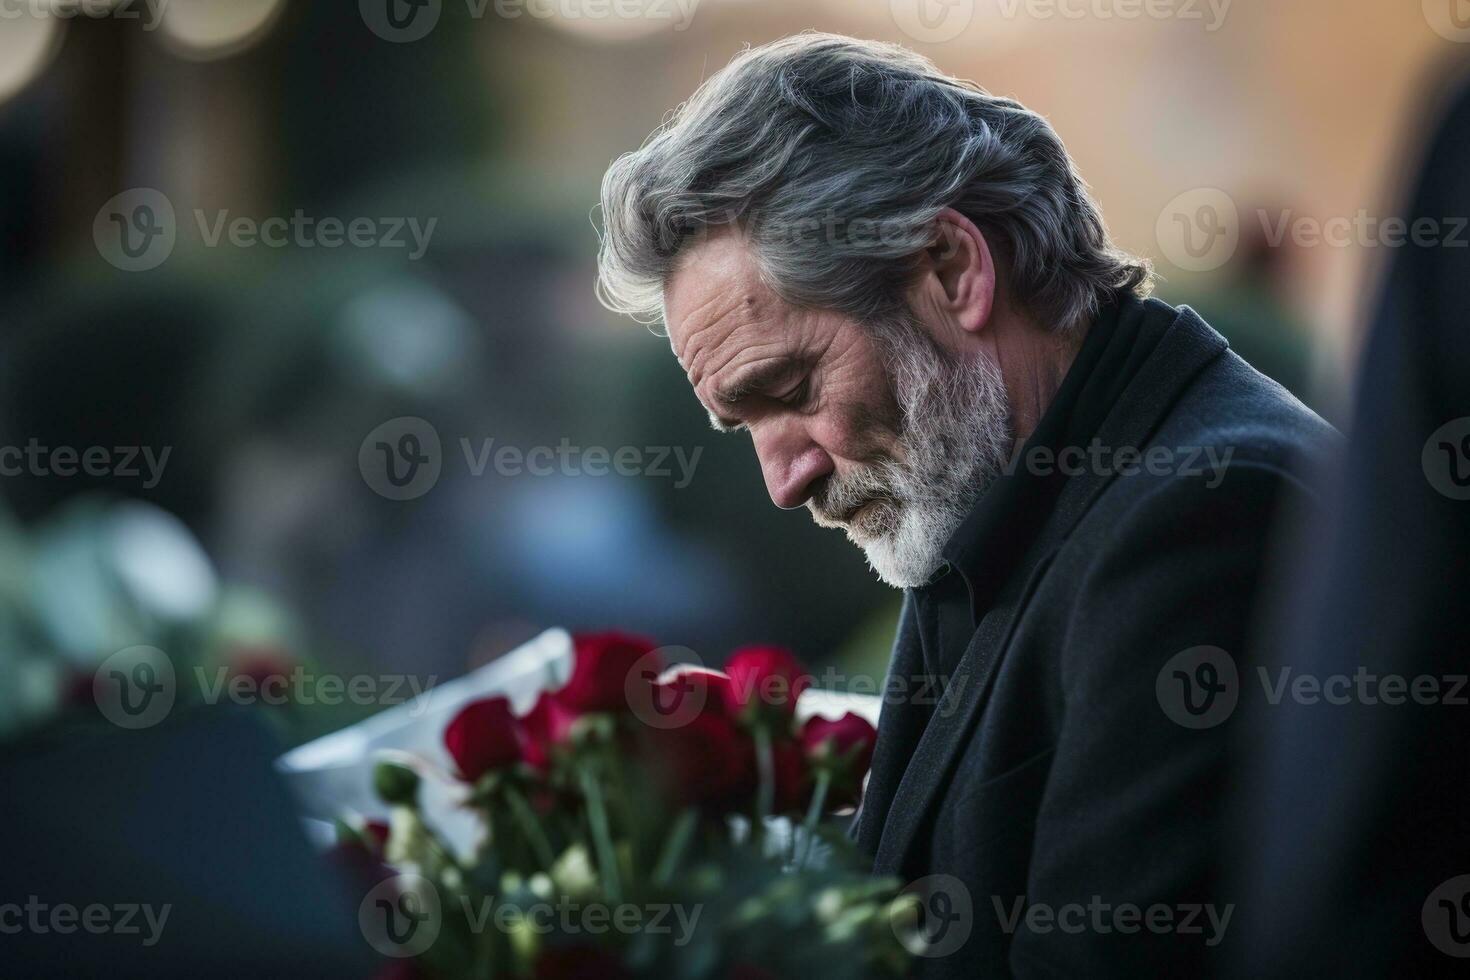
(791,464)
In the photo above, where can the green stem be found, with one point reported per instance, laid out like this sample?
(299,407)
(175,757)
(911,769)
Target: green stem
(766,766)
(674,848)
(530,827)
(814,815)
(607,857)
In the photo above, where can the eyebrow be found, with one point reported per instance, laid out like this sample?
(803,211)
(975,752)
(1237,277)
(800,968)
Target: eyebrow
(760,378)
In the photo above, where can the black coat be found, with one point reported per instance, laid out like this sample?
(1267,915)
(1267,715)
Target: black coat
(1051,770)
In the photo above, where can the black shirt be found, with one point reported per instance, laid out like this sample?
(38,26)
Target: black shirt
(982,553)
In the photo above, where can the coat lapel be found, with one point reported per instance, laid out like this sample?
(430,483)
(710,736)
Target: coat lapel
(900,726)
(889,830)
(952,719)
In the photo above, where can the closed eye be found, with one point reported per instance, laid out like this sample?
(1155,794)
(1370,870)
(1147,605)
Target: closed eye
(762,385)
(797,395)
(725,425)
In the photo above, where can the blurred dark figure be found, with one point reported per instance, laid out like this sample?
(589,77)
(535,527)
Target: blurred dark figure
(1357,852)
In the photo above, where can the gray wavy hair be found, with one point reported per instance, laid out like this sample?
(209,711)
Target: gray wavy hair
(833,156)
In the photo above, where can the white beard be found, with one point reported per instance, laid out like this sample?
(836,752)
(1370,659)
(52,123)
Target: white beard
(956,437)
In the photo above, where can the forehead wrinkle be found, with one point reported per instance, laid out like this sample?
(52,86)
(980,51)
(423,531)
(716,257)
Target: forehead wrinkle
(716,344)
(694,316)
(715,328)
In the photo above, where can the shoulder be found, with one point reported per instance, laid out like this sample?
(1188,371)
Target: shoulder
(1202,496)
(1233,440)
(1231,404)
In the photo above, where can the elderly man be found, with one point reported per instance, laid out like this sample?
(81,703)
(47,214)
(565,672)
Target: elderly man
(899,287)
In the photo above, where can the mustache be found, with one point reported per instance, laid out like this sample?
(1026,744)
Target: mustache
(837,500)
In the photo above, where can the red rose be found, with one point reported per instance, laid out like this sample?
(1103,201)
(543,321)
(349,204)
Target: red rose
(793,787)
(708,762)
(482,738)
(845,747)
(547,725)
(601,667)
(681,692)
(765,681)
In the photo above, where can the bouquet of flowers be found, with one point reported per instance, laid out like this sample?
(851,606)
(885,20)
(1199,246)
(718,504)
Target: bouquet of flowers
(639,821)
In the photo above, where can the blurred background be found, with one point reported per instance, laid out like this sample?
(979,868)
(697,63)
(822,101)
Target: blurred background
(252,251)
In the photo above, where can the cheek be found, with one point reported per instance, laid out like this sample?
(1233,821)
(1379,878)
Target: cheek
(859,417)
(861,431)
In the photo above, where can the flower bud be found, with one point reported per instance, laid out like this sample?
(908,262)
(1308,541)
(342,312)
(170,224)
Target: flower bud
(396,784)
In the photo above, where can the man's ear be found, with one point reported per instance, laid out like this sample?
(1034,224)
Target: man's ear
(958,273)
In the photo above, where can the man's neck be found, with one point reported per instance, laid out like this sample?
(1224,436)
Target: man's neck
(1033,360)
